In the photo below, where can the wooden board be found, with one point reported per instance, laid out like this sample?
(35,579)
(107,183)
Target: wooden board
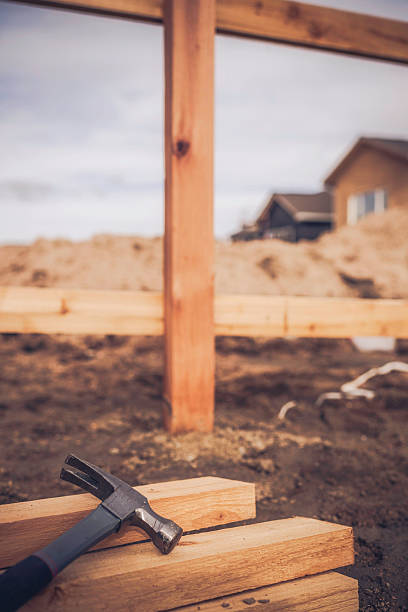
(346,317)
(328,592)
(250,315)
(276,20)
(189,28)
(194,504)
(138,577)
(76,311)
(317,27)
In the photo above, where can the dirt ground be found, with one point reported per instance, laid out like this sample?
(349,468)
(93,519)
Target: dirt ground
(346,461)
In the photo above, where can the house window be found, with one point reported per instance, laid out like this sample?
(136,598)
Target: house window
(362,204)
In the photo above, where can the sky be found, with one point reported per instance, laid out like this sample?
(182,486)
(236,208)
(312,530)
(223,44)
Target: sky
(81,121)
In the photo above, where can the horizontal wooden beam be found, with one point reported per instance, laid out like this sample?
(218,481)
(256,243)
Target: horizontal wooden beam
(250,315)
(194,504)
(281,21)
(316,27)
(72,311)
(80,311)
(328,592)
(138,577)
(346,317)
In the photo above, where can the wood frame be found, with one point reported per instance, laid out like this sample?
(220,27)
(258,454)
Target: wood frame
(189,60)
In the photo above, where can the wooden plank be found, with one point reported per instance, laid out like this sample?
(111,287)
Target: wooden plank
(310,317)
(214,564)
(281,21)
(328,592)
(79,311)
(346,317)
(317,27)
(194,504)
(250,315)
(188,240)
(139,10)
(76,311)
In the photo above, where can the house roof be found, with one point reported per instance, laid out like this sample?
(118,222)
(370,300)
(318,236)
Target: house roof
(302,206)
(392,147)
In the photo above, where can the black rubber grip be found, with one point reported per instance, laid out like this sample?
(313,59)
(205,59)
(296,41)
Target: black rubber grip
(22,581)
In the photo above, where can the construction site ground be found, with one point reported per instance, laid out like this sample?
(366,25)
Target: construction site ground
(345,461)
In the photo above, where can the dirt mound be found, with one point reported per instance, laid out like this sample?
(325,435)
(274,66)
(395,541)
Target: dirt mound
(366,260)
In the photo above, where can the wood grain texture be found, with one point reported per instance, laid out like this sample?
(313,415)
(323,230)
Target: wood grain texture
(328,592)
(189,31)
(315,26)
(79,311)
(277,20)
(346,317)
(139,10)
(194,504)
(202,566)
(250,315)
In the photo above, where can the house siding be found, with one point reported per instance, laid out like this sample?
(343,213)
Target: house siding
(292,230)
(277,217)
(310,230)
(370,170)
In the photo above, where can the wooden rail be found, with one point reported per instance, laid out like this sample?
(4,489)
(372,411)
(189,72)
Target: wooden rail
(80,311)
(277,21)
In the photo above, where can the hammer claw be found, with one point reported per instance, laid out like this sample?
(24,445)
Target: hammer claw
(79,480)
(87,476)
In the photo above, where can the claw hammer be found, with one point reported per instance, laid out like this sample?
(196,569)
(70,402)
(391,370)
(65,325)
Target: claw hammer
(121,504)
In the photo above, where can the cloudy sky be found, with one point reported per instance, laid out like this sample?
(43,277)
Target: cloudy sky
(81,105)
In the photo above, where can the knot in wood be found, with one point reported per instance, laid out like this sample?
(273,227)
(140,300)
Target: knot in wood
(315,30)
(258,7)
(64,307)
(181,148)
(293,11)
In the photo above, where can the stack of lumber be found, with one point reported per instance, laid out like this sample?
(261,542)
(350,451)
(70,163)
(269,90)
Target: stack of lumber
(277,565)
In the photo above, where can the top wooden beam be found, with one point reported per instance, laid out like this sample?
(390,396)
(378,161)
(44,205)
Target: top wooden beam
(280,21)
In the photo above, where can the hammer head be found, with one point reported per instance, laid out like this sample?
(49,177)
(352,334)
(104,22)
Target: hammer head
(124,502)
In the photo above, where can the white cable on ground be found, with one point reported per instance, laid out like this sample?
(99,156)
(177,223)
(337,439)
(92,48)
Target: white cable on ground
(351,389)
(285,408)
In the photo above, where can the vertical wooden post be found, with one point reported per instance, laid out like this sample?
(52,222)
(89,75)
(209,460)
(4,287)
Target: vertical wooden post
(189,31)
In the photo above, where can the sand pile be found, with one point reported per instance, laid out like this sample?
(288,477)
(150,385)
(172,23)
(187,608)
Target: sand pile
(366,260)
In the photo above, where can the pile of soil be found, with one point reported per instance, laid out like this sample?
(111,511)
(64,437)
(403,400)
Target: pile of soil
(345,462)
(369,259)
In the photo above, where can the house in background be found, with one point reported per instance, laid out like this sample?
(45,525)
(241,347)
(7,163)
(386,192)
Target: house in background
(372,177)
(295,216)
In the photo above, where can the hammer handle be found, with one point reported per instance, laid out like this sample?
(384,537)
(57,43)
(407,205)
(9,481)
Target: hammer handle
(22,581)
